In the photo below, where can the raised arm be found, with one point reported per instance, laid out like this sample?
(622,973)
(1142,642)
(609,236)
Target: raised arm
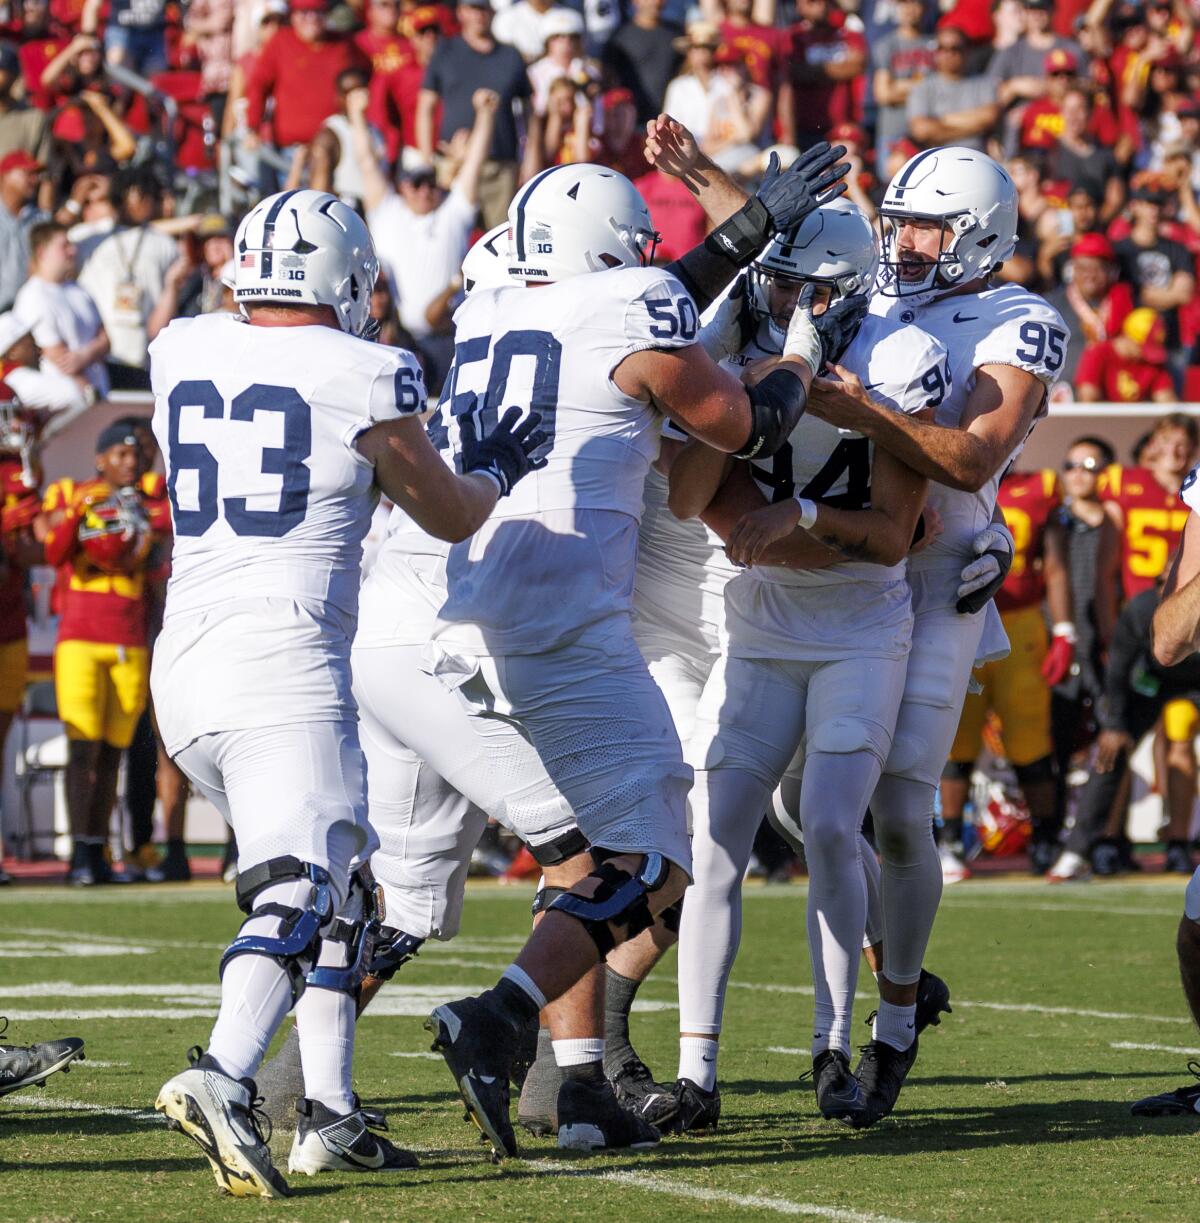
(466,182)
(375,184)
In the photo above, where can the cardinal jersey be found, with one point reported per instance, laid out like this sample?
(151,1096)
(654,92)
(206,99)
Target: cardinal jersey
(1028,500)
(1153,521)
(558,554)
(271,501)
(1006,325)
(773,612)
(14,491)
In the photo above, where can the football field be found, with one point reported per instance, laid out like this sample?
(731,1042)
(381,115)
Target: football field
(1066,1008)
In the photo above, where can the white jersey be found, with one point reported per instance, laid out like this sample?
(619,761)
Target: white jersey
(559,554)
(271,501)
(853,606)
(1005,325)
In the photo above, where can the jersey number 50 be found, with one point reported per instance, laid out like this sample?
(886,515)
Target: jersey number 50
(286,460)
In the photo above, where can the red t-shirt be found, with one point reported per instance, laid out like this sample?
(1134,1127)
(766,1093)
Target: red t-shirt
(821,104)
(675,213)
(1028,499)
(34,57)
(302,78)
(1118,379)
(764,49)
(389,55)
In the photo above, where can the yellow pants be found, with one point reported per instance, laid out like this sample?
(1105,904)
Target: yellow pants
(1013,689)
(14,668)
(101,689)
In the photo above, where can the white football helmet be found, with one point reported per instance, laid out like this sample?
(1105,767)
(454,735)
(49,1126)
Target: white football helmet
(976,202)
(834,246)
(486,263)
(578,218)
(306,247)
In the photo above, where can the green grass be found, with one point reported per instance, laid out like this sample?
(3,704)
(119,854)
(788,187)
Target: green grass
(1013,1115)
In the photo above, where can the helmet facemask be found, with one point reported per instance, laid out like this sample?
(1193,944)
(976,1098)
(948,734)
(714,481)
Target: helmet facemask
(774,295)
(948,270)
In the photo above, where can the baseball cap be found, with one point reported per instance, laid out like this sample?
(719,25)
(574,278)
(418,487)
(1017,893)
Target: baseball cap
(424,17)
(12,328)
(119,433)
(1146,328)
(846,133)
(487,4)
(19,159)
(561,21)
(1150,192)
(700,34)
(213,225)
(1060,60)
(1093,246)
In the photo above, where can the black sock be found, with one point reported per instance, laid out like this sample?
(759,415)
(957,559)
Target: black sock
(176,848)
(585,1072)
(619,993)
(517,1006)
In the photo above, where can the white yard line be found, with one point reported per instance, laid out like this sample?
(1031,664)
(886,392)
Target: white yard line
(17,1102)
(426,1057)
(1129,1044)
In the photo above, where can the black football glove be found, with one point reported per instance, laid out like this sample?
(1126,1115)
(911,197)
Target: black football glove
(506,453)
(813,179)
(993,549)
(838,326)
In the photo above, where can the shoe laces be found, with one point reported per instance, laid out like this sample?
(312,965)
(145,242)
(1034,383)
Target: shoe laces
(256,1116)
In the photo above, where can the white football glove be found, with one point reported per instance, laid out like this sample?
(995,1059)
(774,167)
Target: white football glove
(725,334)
(982,577)
(803,340)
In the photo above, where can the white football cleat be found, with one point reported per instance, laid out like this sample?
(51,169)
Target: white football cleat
(1069,868)
(954,869)
(327,1142)
(217,1113)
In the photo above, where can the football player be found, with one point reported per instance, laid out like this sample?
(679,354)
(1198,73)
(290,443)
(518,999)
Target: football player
(536,624)
(101,535)
(1176,638)
(814,653)
(29,1065)
(949,220)
(278,429)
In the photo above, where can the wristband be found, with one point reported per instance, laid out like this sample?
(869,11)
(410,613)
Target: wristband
(74,207)
(741,238)
(492,475)
(808,512)
(1064,629)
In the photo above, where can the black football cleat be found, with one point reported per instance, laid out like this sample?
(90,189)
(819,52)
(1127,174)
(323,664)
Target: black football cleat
(692,1110)
(28,1065)
(840,1096)
(881,1071)
(478,1042)
(591,1120)
(933,998)
(634,1084)
(1182,1102)
(327,1142)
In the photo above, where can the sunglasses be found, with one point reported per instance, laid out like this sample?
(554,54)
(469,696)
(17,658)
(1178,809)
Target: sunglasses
(1081,465)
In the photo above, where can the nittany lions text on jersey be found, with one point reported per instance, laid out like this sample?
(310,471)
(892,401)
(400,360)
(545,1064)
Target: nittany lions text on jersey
(271,501)
(1005,325)
(573,524)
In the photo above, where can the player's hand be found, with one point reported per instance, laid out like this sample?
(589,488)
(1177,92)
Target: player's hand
(803,341)
(671,147)
(732,326)
(813,179)
(759,529)
(1056,666)
(931,521)
(838,326)
(979,580)
(1109,745)
(506,453)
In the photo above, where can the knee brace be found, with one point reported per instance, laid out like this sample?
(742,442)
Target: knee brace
(618,899)
(347,941)
(566,845)
(544,897)
(671,917)
(1036,771)
(958,770)
(295,943)
(389,950)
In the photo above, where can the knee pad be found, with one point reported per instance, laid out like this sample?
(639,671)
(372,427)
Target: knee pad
(544,897)
(618,899)
(566,845)
(1036,771)
(957,770)
(294,945)
(672,916)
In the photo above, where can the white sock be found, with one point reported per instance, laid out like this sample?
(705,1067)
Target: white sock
(698,1061)
(895,1025)
(325,1020)
(579,1051)
(525,983)
(831,1028)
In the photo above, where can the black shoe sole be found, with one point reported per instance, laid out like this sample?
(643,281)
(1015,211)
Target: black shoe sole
(63,1064)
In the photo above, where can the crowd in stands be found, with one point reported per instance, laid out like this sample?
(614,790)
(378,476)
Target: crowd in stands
(134,132)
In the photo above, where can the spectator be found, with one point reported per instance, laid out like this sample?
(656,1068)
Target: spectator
(298,70)
(526,25)
(899,59)
(421,233)
(1129,368)
(642,56)
(1040,121)
(1077,159)
(77,65)
(39,45)
(1162,272)
(135,35)
(390,54)
(39,388)
(125,275)
(195,286)
(21,127)
(404,83)
(1058,228)
(89,209)
(823,81)
(208,24)
(459,68)
(763,48)
(1018,70)
(723,109)
(331,162)
(564,56)
(19,174)
(101,665)
(1092,302)
(567,127)
(950,107)
(64,320)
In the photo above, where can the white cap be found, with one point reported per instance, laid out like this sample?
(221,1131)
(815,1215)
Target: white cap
(12,329)
(561,21)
